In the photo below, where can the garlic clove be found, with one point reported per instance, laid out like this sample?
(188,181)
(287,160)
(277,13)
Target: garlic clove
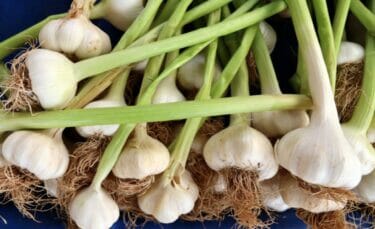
(365,189)
(309,153)
(362,147)
(167,92)
(271,196)
(278,123)
(269,35)
(51,187)
(350,52)
(296,197)
(190,75)
(243,147)
(371,135)
(70,34)
(167,202)
(94,209)
(52,78)
(220,185)
(107,130)
(106,41)
(47,35)
(141,157)
(121,13)
(43,155)
(198,143)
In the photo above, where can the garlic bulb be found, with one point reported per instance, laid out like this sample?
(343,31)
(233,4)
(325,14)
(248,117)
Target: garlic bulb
(296,197)
(362,147)
(278,123)
(93,208)
(243,147)
(167,91)
(365,189)
(142,156)
(326,160)
(78,36)
(121,13)
(371,135)
(51,187)
(269,35)
(42,153)
(190,75)
(52,78)
(350,52)
(107,130)
(220,185)
(271,196)
(166,202)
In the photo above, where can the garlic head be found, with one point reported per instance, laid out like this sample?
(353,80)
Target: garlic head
(167,202)
(167,92)
(269,35)
(38,152)
(47,35)
(241,146)
(94,208)
(121,13)
(365,189)
(350,52)
(271,196)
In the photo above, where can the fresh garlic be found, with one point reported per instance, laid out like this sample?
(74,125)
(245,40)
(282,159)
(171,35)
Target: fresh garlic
(93,208)
(52,78)
(51,187)
(269,35)
(350,52)
(142,156)
(166,202)
(42,153)
(241,146)
(107,130)
(167,92)
(365,189)
(220,185)
(271,196)
(121,13)
(278,123)
(78,36)
(190,75)
(296,197)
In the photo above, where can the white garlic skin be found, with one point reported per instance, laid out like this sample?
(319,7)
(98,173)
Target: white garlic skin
(240,146)
(365,189)
(78,36)
(269,35)
(43,155)
(140,66)
(51,187)
(167,92)
(271,196)
(94,208)
(3,162)
(371,135)
(167,203)
(190,75)
(320,154)
(278,123)
(362,148)
(295,197)
(122,13)
(141,157)
(52,78)
(220,185)
(107,130)
(350,52)
(198,143)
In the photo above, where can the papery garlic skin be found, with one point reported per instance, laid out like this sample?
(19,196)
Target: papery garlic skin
(52,78)
(326,160)
(77,35)
(371,135)
(141,157)
(121,13)
(93,208)
(271,196)
(220,185)
(278,123)
(269,35)
(3,162)
(296,197)
(167,92)
(365,189)
(41,154)
(362,147)
(107,130)
(241,146)
(190,75)
(166,203)
(51,187)
(350,52)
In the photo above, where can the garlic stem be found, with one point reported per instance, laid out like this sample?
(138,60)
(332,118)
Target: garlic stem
(326,38)
(364,15)
(166,12)
(98,11)
(339,21)
(243,8)
(117,90)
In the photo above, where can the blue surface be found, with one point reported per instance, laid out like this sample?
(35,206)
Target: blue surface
(16,15)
